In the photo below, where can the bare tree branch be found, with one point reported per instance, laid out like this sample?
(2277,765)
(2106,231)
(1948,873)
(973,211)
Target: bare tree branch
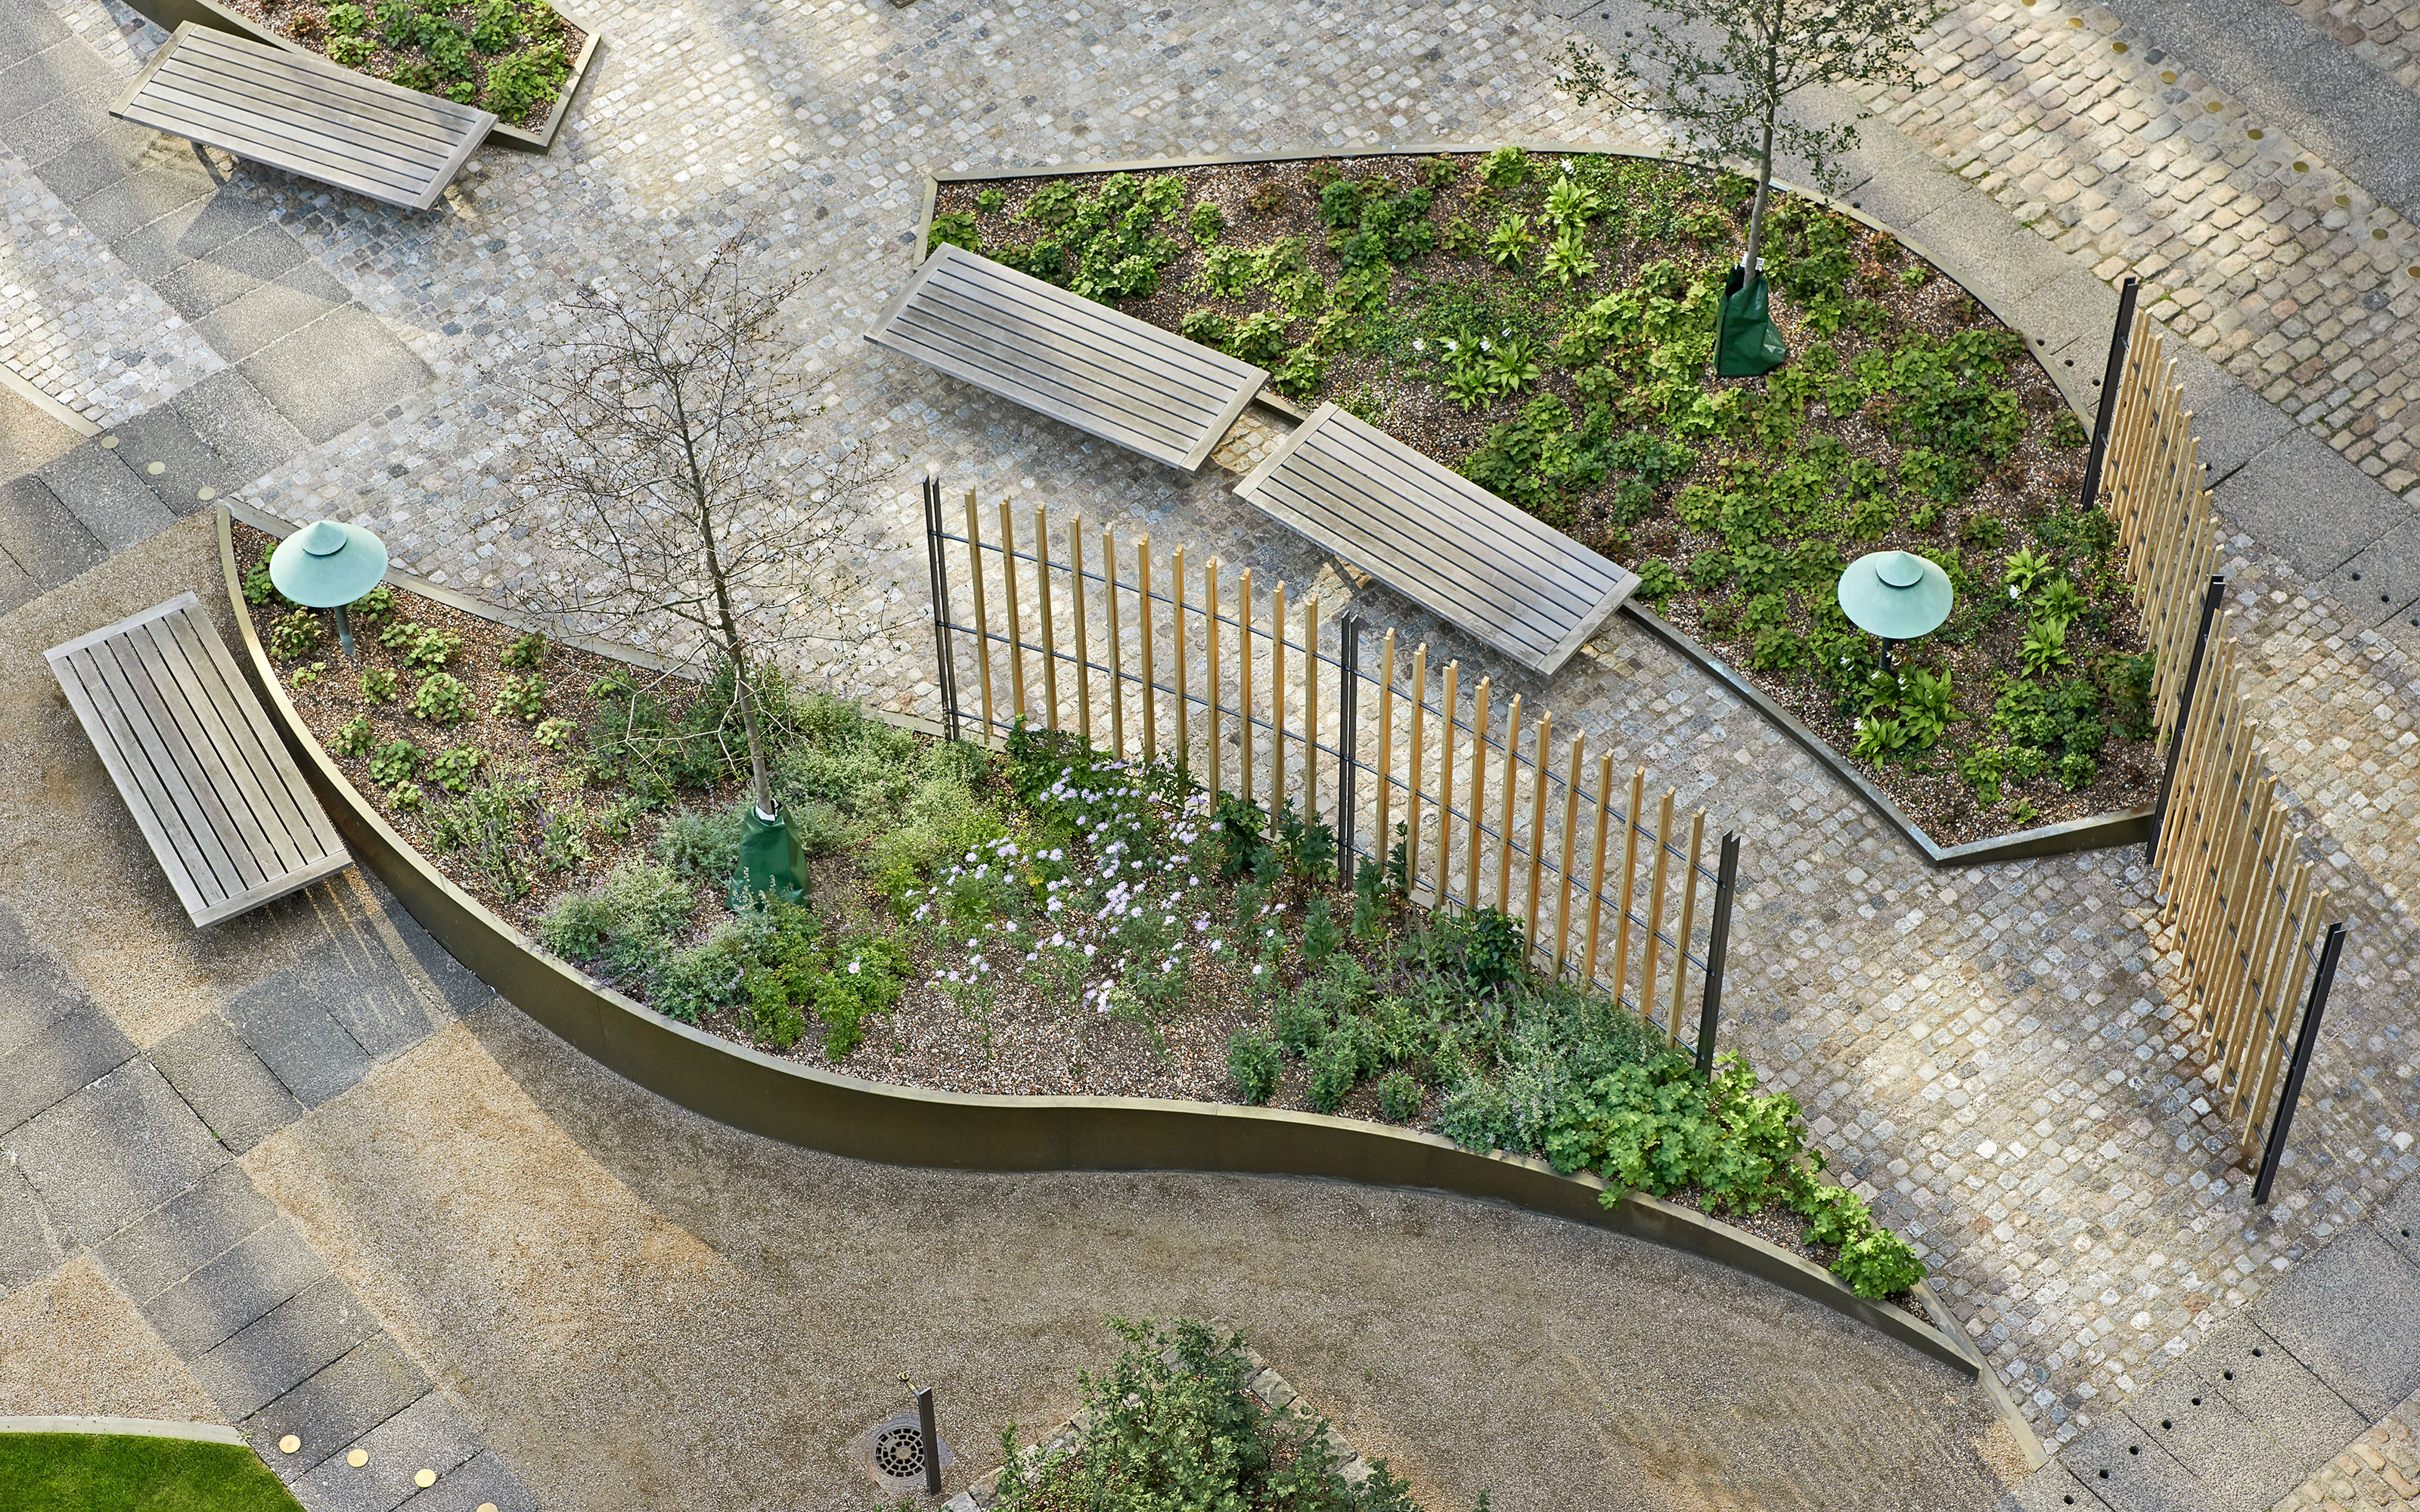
(1727,101)
(691,488)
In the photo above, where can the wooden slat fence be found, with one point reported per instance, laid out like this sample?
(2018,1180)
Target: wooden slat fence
(2152,490)
(2237,898)
(1152,655)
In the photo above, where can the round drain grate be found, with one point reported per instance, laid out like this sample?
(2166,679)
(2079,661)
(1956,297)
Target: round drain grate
(892,1453)
(899,1452)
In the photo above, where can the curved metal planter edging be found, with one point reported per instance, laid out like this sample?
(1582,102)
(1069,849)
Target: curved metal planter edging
(910,1126)
(2128,826)
(169,14)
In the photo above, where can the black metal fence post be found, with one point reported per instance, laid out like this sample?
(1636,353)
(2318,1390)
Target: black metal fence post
(936,568)
(2118,340)
(1718,945)
(2211,598)
(1348,711)
(2306,1042)
(932,1442)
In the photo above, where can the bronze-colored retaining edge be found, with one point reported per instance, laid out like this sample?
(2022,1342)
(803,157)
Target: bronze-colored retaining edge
(912,1126)
(169,14)
(2128,826)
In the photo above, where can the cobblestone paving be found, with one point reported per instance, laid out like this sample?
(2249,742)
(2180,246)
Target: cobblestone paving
(1990,1053)
(2378,1472)
(75,321)
(2283,269)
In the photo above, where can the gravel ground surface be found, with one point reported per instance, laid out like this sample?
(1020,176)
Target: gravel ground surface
(647,1309)
(116,1367)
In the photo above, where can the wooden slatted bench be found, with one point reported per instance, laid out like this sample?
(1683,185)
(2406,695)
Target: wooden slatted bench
(1439,539)
(1107,374)
(304,114)
(211,787)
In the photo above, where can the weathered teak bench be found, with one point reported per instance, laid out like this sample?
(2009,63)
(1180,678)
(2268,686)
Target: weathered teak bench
(1107,374)
(304,114)
(213,789)
(1439,539)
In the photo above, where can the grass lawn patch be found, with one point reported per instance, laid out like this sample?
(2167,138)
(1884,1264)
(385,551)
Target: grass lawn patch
(133,1472)
(1039,920)
(1544,324)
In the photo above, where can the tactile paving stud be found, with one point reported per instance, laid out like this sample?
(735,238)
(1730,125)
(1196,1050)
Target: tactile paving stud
(287,1445)
(424,1478)
(156,468)
(206,495)
(358,1459)
(108,443)
(487,1506)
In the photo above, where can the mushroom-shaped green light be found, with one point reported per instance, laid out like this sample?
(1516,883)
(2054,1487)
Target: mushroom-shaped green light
(1895,596)
(328,565)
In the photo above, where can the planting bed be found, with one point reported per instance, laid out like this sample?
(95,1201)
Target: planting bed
(1037,921)
(1545,324)
(512,58)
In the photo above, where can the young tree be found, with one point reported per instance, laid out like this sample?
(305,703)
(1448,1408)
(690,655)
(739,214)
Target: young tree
(690,490)
(1728,99)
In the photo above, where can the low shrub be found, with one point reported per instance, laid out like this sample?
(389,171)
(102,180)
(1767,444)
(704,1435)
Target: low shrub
(379,685)
(442,699)
(1253,1061)
(700,845)
(354,738)
(295,636)
(453,770)
(522,698)
(1172,1424)
(625,924)
(524,653)
(394,761)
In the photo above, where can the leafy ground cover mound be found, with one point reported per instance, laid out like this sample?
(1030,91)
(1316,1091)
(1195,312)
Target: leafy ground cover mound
(1042,919)
(1545,324)
(508,56)
(1174,1424)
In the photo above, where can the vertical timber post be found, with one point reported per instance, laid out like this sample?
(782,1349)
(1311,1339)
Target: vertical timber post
(2110,383)
(2211,597)
(1718,945)
(1348,680)
(936,566)
(2306,1039)
(932,1442)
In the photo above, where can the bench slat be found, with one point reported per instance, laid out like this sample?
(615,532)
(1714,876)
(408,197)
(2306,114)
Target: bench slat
(215,793)
(1439,539)
(134,766)
(305,115)
(230,776)
(180,769)
(1091,367)
(284,814)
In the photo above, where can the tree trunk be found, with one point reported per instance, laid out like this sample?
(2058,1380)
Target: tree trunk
(743,686)
(1756,215)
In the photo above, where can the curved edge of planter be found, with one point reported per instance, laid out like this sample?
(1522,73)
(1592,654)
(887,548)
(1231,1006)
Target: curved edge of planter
(169,14)
(142,1427)
(2128,826)
(912,1126)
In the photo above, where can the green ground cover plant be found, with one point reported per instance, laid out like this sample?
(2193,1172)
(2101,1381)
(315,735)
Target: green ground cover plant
(132,1473)
(1171,1424)
(1544,324)
(508,56)
(965,905)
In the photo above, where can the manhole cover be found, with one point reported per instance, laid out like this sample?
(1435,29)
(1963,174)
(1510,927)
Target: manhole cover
(892,1453)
